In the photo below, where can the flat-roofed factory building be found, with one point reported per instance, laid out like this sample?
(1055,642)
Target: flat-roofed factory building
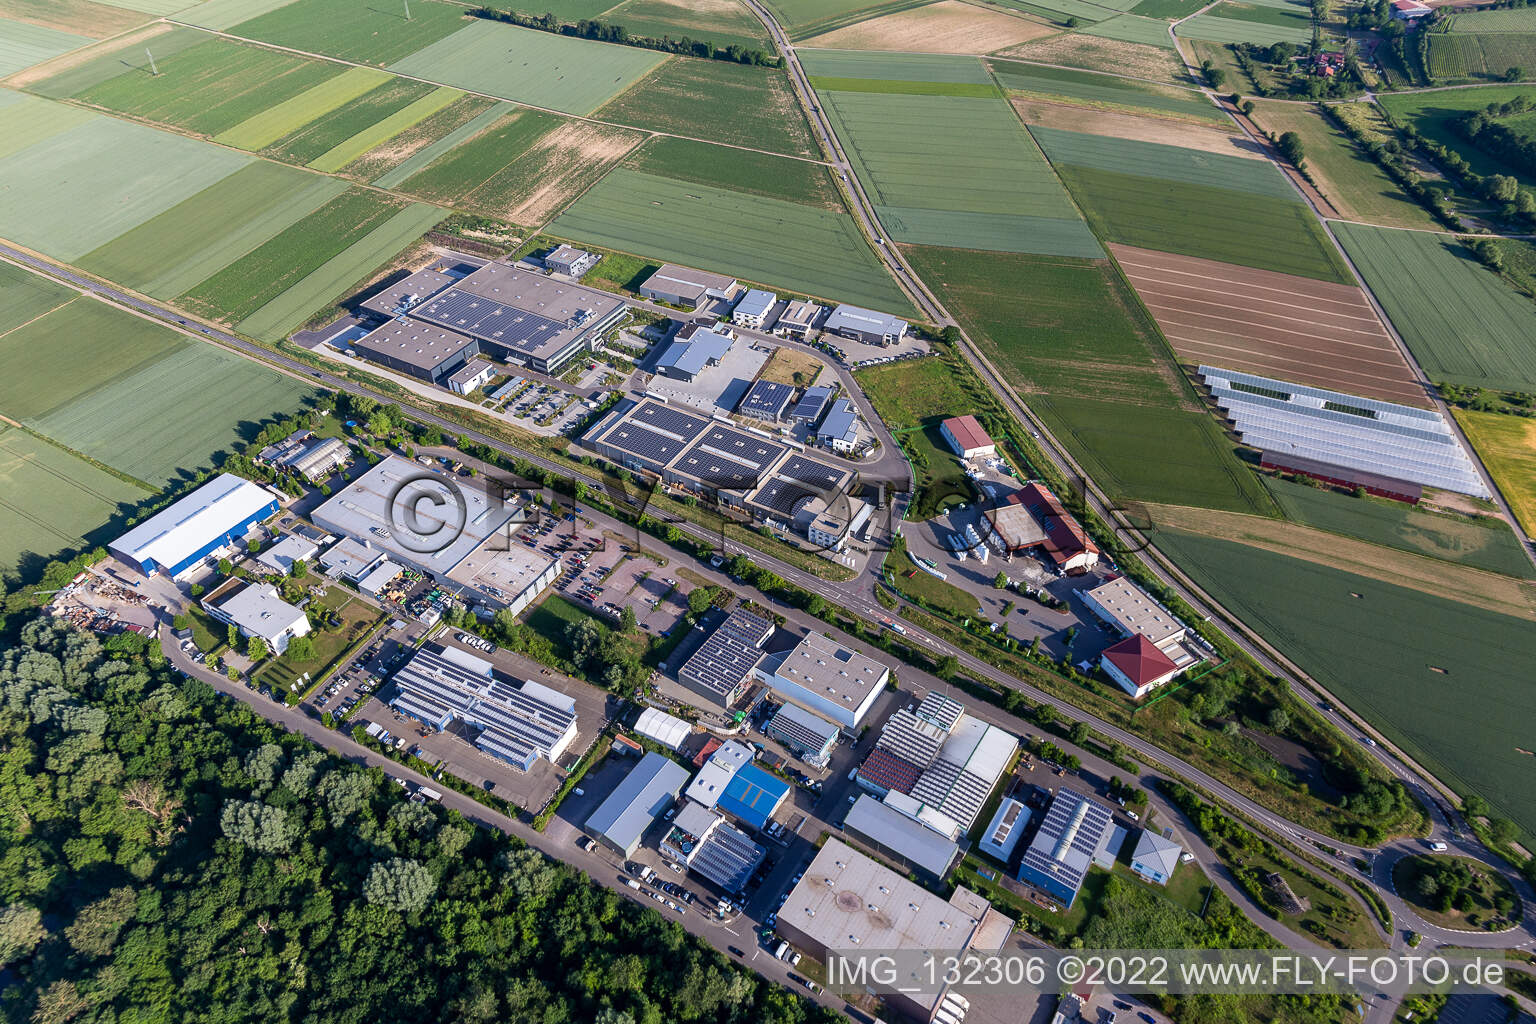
(1074,832)
(823,676)
(765,401)
(867,325)
(686,287)
(650,788)
(720,669)
(180,539)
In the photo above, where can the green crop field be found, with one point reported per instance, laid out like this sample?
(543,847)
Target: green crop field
(431,148)
(366,139)
(1518,19)
(788,245)
(1060,11)
(173,416)
(1430,113)
(804,18)
(371,33)
(537,68)
(1061,328)
(710,99)
(1462,322)
(979,90)
(82,187)
(318,137)
(1484,543)
(719,24)
(261,130)
(1507,445)
(1108,91)
(1168,10)
(1128,28)
(222,15)
(349,268)
(170,254)
(25,296)
(1489,55)
(210,88)
(1352,181)
(98,343)
(565,10)
(798,181)
(52,502)
(23,44)
(27,120)
(1260,24)
(1171,163)
(957,171)
(423,141)
(895,67)
(158,7)
(108,60)
(1431,673)
(457,173)
(263,274)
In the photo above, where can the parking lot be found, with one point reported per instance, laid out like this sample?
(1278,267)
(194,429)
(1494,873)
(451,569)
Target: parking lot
(659,600)
(716,388)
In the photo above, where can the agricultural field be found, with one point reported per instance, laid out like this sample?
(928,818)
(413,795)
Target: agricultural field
(1128,28)
(170,254)
(1108,92)
(52,502)
(721,23)
(804,18)
(382,132)
(209,88)
(1192,203)
(223,15)
(25,296)
(529,66)
(948,26)
(895,67)
(1463,323)
(79,188)
(1074,50)
(721,102)
(525,168)
(317,137)
(1168,10)
(23,44)
(370,33)
(72,75)
(263,274)
(263,129)
(75,17)
(1278,325)
(1353,182)
(1507,446)
(1473,22)
(1481,542)
(1062,11)
(1261,24)
(1060,328)
(424,141)
(1430,113)
(787,245)
(1207,137)
(565,10)
(1431,673)
(798,181)
(1488,55)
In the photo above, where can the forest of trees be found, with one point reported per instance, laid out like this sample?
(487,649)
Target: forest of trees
(167,855)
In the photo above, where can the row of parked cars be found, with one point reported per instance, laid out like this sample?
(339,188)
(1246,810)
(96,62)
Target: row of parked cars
(477,642)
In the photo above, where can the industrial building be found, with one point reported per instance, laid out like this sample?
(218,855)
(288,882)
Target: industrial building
(649,789)
(788,485)
(753,308)
(839,429)
(655,724)
(292,548)
(808,736)
(1137,666)
(799,319)
(1074,832)
(686,287)
(718,671)
(823,676)
(1156,645)
(517,724)
(966,437)
(311,457)
(731,783)
(866,325)
(438,321)
(1005,830)
(830,525)
(504,575)
(694,349)
(350,560)
(257,610)
(848,901)
(906,843)
(197,529)
(711,847)
(809,409)
(765,400)
(1156,857)
(1032,519)
(1398,442)
(474,374)
(570,261)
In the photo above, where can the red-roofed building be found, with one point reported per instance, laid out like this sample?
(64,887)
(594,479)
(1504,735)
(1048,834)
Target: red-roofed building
(710,746)
(965,435)
(1137,665)
(883,771)
(1058,536)
(1409,10)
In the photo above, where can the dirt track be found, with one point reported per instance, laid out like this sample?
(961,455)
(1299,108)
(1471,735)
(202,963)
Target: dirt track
(1276,325)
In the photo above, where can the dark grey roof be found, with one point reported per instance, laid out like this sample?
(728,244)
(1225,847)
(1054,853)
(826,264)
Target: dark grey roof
(765,399)
(1072,832)
(727,656)
(889,829)
(727,857)
(803,727)
(811,403)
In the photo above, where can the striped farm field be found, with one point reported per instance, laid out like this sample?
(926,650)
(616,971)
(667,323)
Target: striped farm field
(1215,29)
(155,7)
(1107,91)
(958,171)
(110,59)
(805,18)
(261,130)
(947,26)
(1061,10)
(1485,55)
(380,132)
(1507,446)
(798,181)
(25,296)
(222,15)
(23,44)
(170,254)
(782,244)
(723,24)
(1172,163)
(78,189)
(210,87)
(1094,53)
(528,66)
(1462,322)
(370,33)
(1128,28)
(324,133)
(430,141)
(1519,19)
(894,67)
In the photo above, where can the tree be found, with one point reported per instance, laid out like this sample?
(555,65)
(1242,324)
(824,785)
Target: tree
(1514,74)
(182,621)
(946,666)
(232,636)
(399,884)
(299,569)
(300,648)
(627,619)
(95,929)
(700,599)
(950,335)
(21,929)
(1292,148)
(256,825)
(1501,188)
(1079,733)
(226,567)
(256,648)
(1000,581)
(1279,721)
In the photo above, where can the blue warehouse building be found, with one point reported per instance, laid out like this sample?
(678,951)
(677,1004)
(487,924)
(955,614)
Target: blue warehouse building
(180,539)
(752,796)
(1073,833)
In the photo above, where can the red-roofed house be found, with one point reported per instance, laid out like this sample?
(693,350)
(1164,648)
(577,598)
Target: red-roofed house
(1137,665)
(1058,536)
(966,436)
(1409,10)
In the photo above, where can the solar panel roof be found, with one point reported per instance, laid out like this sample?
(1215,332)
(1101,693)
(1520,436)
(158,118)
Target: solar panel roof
(727,858)
(490,320)
(765,399)
(727,656)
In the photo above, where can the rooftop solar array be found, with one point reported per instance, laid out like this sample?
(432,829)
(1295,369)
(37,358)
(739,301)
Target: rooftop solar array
(728,459)
(650,433)
(914,738)
(1072,832)
(765,400)
(728,655)
(955,791)
(797,480)
(811,403)
(945,712)
(489,320)
(669,418)
(802,728)
(727,857)
(1396,441)
(889,771)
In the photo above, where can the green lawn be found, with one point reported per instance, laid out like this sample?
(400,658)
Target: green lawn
(1071,336)
(1483,543)
(550,618)
(1431,673)
(1431,114)
(719,101)
(797,181)
(331,645)
(913,398)
(926,588)
(372,33)
(1463,323)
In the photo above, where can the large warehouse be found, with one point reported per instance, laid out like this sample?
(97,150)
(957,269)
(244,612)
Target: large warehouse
(686,287)
(718,671)
(198,528)
(823,676)
(650,788)
(1073,833)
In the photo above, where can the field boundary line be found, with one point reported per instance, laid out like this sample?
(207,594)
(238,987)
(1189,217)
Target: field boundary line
(46,312)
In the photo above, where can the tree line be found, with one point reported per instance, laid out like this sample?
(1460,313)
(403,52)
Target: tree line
(603,32)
